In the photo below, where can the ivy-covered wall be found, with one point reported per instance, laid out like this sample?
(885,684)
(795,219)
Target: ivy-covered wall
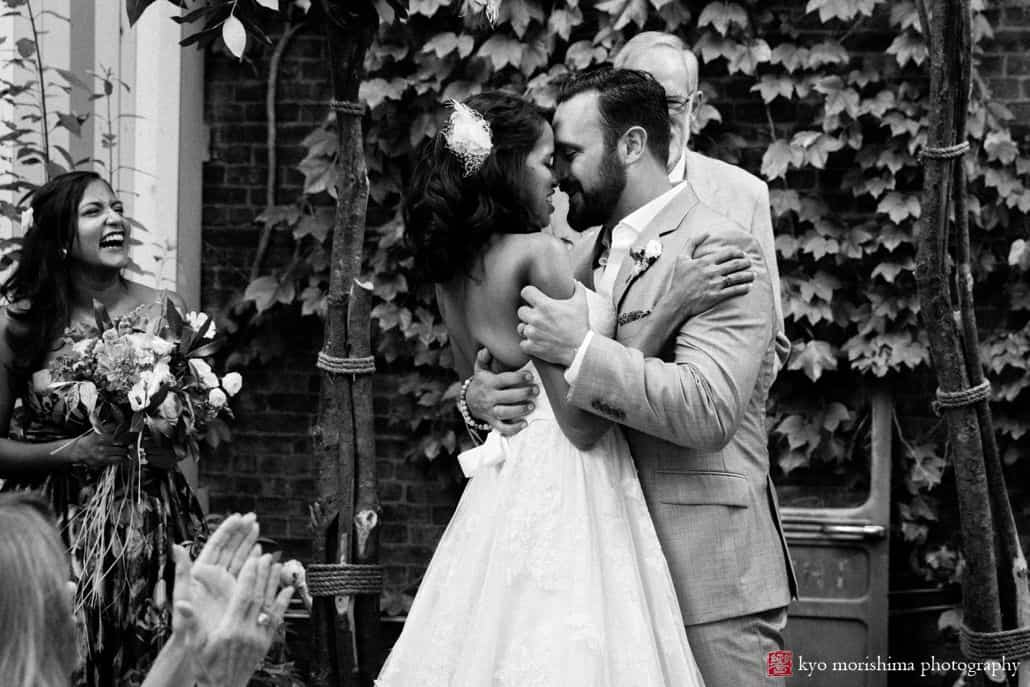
(823,98)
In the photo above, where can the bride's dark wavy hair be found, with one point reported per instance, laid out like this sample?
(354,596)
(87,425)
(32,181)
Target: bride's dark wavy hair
(39,290)
(448,216)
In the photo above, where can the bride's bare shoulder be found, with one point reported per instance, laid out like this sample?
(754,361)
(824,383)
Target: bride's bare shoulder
(528,251)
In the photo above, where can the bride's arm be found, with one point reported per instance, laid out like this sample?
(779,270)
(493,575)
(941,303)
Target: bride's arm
(550,271)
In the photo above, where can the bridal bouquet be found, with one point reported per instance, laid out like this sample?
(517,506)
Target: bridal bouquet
(145,381)
(142,378)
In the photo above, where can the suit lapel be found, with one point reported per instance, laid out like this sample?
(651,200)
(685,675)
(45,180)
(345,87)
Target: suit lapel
(666,222)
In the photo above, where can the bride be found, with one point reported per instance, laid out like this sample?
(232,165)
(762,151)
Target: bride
(550,572)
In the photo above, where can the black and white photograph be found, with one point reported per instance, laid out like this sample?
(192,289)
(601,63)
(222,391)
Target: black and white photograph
(514,343)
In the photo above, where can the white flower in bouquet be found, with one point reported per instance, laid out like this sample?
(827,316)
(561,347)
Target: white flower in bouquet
(41,381)
(138,398)
(171,407)
(653,249)
(208,378)
(232,383)
(196,320)
(161,374)
(88,395)
(217,398)
(27,217)
(83,347)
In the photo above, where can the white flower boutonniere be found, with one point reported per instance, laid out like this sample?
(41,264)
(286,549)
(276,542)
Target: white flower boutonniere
(644,257)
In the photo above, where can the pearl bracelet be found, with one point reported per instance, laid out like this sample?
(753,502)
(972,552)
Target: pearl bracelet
(463,408)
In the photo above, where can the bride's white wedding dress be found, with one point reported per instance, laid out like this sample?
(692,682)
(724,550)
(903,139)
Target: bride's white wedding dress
(549,574)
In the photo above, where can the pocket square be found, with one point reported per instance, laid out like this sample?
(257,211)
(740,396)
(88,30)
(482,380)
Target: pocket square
(632,316)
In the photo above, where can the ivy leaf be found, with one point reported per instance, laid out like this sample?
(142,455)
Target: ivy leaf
(502,51)
(262,291)
(900,207)
(878,105)
(534,57)
(772,87)
(426,7)
(836,413)
(905,15)
(813,358)
(374,92)
(722,15)
(908,48)
(784,201)
(817,153)
(582,54)
(790,56)
(827,52)
(235,36)
(1019,255)
(787,245)
(890,270)
(626,11)
(838,98)
(443,44)
(750,56)
(713,47)
(845,10)
(778,157)
(520,14)
(562,21)
(798,431)
(269,4)
(1000,146)
(926,469)
(792,460)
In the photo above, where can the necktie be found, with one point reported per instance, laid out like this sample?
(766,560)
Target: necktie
(622,240)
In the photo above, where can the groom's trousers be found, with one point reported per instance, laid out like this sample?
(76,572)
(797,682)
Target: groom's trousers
(732,652)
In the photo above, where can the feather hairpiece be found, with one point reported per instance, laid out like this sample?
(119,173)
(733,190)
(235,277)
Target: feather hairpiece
(468,136)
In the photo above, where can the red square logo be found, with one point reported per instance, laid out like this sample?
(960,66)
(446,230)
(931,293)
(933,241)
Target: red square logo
(779,663)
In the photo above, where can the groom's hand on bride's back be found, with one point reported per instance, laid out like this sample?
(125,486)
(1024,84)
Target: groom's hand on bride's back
(502,399)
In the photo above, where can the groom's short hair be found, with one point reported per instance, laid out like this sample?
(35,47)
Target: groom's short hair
(626,98)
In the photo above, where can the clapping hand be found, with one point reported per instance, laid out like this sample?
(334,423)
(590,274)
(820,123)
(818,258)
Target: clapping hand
(227,604)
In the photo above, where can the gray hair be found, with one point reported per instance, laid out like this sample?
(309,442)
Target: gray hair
(643,43)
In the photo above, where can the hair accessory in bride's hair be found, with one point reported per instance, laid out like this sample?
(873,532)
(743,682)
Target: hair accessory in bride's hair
(468,136)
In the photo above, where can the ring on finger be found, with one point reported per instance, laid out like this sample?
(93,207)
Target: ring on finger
(264,619)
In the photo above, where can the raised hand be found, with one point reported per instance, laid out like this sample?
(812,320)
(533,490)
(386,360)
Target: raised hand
(502,399)
(232,543)
(705,274)
(230,622)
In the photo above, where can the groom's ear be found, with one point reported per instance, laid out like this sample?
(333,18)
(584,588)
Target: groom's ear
(633,145)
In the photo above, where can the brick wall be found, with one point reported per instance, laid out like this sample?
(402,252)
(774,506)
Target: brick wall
(269,467)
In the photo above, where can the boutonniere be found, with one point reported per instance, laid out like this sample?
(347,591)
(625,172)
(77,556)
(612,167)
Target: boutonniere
(645,256)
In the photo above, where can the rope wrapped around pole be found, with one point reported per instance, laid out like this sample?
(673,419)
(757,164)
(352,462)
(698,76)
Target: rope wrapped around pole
(992,646)
(344,579)
(347,107)
(346,366)
(963,397)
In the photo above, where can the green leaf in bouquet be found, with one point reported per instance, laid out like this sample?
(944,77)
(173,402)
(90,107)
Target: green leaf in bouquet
(207,349)
(102,317)
(139,422)
(174,318)
(217,433)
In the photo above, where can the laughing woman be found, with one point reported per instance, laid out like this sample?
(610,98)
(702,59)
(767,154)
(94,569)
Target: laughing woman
(75,249)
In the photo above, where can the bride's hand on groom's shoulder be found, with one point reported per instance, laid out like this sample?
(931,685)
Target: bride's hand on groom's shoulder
(706,273)
(502,399)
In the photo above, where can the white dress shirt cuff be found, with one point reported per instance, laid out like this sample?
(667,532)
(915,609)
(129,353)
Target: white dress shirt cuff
(572,373)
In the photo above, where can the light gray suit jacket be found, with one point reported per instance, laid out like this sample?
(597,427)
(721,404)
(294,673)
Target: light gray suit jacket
(744,198)
(695,420)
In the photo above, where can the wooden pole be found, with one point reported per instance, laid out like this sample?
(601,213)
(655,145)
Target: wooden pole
(951,329)
(344,441)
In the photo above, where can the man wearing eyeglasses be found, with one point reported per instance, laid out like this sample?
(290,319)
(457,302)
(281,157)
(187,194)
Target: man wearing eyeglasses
(730,190)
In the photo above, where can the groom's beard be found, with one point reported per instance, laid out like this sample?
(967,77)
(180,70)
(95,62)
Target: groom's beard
(595,207)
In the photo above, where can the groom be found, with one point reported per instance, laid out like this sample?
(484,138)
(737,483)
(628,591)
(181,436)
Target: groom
(694,417)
